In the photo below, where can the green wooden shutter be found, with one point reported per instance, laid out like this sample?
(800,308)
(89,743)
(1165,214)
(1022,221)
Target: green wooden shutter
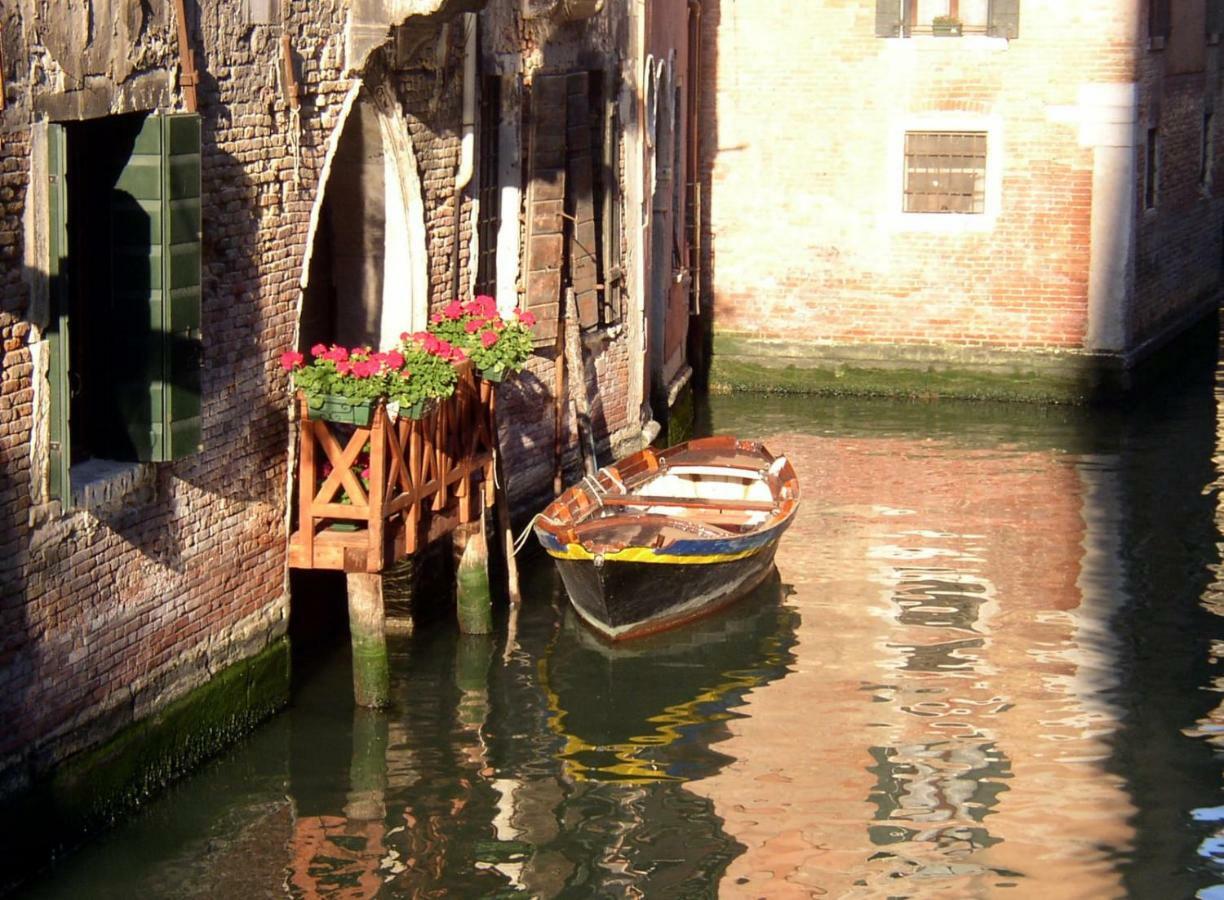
(59,448)
(155,246)
(888,18)
(137,224)
(1004,19)
(181,259)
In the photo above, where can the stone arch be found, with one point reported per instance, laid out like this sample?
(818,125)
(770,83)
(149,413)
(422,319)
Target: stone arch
(365,277)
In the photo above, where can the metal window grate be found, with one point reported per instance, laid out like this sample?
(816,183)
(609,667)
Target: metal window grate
(945,172)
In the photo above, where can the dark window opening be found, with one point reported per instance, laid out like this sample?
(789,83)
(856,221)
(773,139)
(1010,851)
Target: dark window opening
(1206,150)
(945,172)
(108,232)
(488,222)
(1151,173)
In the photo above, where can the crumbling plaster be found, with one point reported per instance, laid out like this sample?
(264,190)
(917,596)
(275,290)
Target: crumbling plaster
(91,58)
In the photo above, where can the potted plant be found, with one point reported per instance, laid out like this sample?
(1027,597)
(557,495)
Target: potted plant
(946,26)
(496,346)
(346,384)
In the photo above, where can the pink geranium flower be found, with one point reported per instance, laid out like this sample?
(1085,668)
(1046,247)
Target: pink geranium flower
(488,339)
(291,360)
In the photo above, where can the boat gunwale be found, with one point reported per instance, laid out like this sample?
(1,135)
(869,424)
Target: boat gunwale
(571,511)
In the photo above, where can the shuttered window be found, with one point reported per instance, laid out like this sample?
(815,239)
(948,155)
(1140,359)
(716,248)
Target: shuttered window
(124,336)
(572,185)
(906,18)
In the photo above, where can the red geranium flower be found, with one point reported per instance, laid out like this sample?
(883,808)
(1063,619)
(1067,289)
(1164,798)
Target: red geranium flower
(291,360)
(527,317)
(453,310)
(488,339)
(318,350)
(473,325)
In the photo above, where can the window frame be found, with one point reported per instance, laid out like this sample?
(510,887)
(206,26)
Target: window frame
(897,219)
(173,311)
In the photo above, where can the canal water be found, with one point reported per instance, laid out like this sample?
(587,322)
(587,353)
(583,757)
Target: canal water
(989,665)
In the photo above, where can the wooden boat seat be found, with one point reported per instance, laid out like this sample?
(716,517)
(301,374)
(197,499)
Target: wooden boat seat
(616,533)
(634,501)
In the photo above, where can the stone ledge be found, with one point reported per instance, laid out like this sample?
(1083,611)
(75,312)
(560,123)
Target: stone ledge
(92,789)
(101,483)
(744,362)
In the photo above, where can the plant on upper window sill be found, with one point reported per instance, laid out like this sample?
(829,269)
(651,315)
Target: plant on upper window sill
(946,26)
(347,385)
(497,347)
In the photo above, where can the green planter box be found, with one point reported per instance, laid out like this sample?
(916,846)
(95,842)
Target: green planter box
(494,375)
(331,408)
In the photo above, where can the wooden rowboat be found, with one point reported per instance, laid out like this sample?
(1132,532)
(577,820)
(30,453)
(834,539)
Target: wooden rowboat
(659,539)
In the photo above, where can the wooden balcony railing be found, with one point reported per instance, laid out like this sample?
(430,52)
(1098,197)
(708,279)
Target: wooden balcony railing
(424,478)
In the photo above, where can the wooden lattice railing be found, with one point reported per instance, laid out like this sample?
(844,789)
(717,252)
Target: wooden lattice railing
(424,478)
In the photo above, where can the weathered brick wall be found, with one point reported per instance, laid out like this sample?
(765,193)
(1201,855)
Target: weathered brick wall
(526,403)
(1178,248)
(804,106)
(108,614)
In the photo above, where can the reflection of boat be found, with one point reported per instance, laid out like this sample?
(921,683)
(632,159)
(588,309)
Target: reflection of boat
(663,538)
(649,710)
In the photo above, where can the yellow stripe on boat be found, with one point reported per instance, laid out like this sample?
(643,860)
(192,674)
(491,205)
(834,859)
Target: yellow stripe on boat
(647,555)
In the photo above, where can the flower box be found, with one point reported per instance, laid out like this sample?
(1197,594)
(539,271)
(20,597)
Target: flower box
(496,374)
(341,410)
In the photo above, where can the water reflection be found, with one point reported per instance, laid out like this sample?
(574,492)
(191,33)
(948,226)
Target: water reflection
(996,670)
(562,772)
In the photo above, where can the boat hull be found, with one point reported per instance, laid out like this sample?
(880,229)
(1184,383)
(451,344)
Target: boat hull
(621,599)
(659,539)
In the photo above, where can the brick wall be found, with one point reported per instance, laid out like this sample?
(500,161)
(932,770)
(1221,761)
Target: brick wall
(804,111)
(110,613)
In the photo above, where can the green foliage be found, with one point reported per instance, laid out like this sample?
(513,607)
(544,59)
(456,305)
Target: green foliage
(409,376)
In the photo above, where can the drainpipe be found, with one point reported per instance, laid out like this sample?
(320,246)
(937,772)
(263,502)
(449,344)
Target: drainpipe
(467,146)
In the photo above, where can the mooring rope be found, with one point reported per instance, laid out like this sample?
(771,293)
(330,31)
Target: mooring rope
(522,538)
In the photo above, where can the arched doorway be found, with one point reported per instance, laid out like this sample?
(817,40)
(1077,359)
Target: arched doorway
(367,274)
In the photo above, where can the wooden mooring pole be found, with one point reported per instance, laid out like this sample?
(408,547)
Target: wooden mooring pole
(473,601)
(371,671)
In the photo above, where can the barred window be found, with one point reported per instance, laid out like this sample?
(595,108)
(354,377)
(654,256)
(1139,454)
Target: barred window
(945,172)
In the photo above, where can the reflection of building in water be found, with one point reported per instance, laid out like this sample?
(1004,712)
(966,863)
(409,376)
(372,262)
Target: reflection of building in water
(938,794)
(945,633)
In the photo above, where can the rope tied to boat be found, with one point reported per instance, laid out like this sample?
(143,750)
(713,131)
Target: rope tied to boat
(522,538)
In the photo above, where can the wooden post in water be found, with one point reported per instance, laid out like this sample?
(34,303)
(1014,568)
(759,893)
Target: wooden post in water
(502,502)
(371,671)
(474,603)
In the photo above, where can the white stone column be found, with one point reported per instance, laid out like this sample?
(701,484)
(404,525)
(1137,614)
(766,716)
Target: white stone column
(1108,120)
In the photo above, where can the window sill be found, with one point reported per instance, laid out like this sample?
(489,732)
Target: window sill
(963,42)
(942,223)
(102,483)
